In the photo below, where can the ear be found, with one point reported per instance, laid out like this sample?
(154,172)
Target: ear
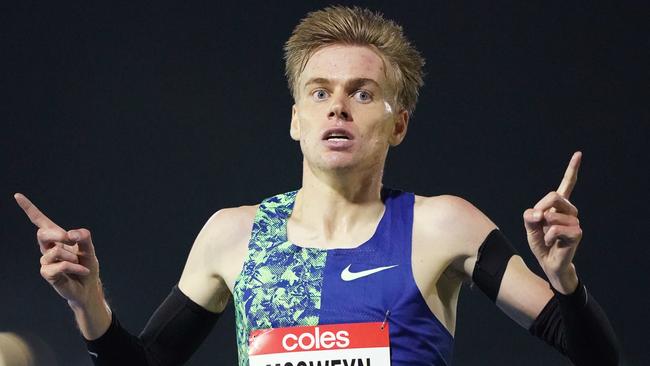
(399,128)
(294,131)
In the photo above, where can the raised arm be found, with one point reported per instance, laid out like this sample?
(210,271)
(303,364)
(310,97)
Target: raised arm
(188,314)
(180,323)
(562,313)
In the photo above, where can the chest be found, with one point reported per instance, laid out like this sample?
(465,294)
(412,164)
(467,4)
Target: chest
(284,285)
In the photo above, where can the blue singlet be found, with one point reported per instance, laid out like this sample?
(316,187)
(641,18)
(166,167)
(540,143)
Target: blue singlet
(283,284)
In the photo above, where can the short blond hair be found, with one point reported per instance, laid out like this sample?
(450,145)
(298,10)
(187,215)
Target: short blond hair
(359,27)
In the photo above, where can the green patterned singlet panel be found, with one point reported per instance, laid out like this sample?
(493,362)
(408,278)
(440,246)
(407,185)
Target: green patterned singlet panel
(280,283)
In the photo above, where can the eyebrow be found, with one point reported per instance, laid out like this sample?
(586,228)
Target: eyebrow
(350,84)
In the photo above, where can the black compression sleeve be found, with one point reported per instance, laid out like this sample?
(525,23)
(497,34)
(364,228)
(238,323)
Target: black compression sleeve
(116,347)
(577,326)
(173,333)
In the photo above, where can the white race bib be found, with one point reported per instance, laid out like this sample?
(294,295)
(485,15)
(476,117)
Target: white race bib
(354,344)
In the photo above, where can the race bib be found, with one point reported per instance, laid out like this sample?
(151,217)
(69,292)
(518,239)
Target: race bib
(355,344)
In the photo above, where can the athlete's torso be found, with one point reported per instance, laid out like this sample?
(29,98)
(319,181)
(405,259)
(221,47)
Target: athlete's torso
(284,285)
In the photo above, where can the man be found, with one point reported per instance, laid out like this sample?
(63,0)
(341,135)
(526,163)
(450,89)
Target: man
(344,250)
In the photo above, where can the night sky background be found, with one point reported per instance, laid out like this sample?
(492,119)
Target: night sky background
(138,120)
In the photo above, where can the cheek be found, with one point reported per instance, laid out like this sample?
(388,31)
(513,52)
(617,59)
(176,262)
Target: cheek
(308,113)
(307,134)
(382,128)
(375,140)
(305,130)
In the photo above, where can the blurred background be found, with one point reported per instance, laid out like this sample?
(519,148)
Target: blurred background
(138,120)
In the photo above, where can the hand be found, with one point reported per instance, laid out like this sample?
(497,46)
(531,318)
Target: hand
(68,263)
(554,232)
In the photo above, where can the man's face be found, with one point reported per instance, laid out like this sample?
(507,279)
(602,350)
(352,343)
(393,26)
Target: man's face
(346,114)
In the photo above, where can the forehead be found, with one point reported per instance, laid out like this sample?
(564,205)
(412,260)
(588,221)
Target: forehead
(344,62)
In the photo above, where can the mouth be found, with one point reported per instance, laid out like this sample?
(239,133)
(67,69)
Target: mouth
(337,134)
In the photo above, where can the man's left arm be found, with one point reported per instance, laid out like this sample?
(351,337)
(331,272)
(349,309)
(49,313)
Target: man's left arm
(561,313)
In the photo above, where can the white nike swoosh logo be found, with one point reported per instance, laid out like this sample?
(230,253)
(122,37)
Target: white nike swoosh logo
(346,275)
(93,354)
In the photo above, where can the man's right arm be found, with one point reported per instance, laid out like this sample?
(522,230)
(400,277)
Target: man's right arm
(181,322)
(186,317)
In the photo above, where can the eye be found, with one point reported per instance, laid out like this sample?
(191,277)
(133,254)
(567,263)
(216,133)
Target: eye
(362,96)
(320,94)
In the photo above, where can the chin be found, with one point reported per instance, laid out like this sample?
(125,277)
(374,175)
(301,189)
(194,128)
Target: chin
(337,164)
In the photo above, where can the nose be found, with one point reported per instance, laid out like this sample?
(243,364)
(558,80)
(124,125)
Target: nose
(339,109)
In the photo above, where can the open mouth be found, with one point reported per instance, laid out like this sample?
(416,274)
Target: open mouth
(337,138)
(337,135)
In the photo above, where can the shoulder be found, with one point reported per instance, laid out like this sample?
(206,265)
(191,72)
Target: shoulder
(451,220)
(220,247)
(217,252)
(228,226)
(446,207)
(226,217)
(449,211)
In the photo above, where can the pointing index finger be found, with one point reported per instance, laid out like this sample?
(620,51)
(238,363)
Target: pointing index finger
(35,215)
(570,176)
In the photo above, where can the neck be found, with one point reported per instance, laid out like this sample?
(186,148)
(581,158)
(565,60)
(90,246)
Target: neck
(341,187)
(335,205)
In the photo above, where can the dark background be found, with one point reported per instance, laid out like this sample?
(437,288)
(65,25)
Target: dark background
(139,121)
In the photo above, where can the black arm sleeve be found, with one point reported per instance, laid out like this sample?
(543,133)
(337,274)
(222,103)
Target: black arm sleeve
(491,263)
(574,324)
(577,326)
(173,333)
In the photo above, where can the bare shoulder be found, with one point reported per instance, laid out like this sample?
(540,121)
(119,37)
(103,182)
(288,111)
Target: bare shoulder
(228,226)
(447,231)
(451,221)
(217,256)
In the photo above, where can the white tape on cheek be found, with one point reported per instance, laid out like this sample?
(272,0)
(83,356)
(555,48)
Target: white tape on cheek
(387,107)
